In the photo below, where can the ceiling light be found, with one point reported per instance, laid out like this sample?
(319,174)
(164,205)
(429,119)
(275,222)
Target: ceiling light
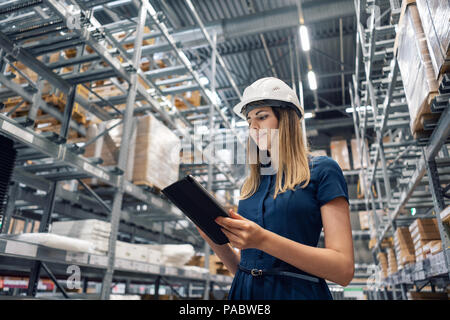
(312,80)
(308,115)
(362,108)
(214,97)
(204,81)
(304,38)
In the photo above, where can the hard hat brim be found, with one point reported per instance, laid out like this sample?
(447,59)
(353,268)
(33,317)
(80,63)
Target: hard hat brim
(238,109)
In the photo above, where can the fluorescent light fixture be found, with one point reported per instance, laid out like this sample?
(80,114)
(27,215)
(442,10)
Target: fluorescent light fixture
(312,80)
(308,115)
(214,97)
(362,108)
(204,81)
(304,38)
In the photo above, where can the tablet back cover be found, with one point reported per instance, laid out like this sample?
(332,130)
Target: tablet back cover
(196,203)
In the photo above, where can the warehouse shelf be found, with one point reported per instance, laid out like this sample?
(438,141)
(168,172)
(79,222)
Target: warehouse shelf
(411,160)
(56,158)
(97,264)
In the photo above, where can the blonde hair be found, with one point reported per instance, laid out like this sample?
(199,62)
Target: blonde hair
(292,157)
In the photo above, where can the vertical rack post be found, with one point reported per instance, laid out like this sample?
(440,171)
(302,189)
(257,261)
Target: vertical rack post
(123,153)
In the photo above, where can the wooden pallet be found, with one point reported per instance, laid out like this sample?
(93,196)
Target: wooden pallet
(148,185)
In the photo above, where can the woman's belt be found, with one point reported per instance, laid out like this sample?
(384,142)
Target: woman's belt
(277,272)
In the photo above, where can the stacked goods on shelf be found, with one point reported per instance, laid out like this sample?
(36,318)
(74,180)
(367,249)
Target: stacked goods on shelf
(415,66)
(157,155)
(17,226)
(95,231)
(404,247)
(107,146)
(364,220)
(383,263)
(445,215)
(319,153)
(422,232)
(138,252)
(435,247)
(392,262)
(356,156)
(339,152)
(57,241)
(435,18)
(221,269)
(386,242)
(173,254)
(413,295)
(215,265)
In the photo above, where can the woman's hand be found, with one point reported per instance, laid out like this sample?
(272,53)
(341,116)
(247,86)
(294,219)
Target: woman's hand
(242,233)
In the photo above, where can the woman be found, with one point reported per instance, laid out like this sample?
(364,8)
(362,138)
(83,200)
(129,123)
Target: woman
(282,211)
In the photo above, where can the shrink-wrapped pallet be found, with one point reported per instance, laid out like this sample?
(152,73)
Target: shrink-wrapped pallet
(107,147)
(157,154)
(339,152)
(356,156)
(415,66)
(435,18)
(95,231)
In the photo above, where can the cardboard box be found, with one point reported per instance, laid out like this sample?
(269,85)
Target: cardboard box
(364,220)
(356,156)
(339,152)
(436,247)
(413,295)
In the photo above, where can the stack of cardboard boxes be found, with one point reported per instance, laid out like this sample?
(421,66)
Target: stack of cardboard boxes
(339,152)
(364,220)
(392,261)
(383,263)
(404,246)
(422,232)
(153,155)
(137,252)
(215,265)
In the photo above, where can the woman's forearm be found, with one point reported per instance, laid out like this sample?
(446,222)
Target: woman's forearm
(227,255)
(321,262)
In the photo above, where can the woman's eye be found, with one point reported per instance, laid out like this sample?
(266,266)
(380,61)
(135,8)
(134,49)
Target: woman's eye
(263,118)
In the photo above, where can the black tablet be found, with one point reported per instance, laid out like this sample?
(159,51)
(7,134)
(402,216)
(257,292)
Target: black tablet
(199,205)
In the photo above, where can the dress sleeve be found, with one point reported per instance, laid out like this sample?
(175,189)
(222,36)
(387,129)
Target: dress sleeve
(332,182)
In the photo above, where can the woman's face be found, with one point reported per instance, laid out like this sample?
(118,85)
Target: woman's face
(260,121)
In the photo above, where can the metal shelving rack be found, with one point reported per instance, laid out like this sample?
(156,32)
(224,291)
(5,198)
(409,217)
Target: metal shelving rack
(37,190)
(414,164)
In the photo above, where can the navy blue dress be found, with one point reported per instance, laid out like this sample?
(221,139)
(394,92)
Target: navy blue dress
(295,215)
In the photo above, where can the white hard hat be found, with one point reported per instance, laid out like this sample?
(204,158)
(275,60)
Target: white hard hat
(277,92)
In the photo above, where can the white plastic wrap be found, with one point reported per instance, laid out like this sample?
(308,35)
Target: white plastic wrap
(56,241)
(157,153)
(174,254)
(95,231)
(415,65)
(107,147)
(435,18)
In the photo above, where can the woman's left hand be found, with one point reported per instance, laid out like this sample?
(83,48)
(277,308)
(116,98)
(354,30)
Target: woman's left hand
(242,233)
